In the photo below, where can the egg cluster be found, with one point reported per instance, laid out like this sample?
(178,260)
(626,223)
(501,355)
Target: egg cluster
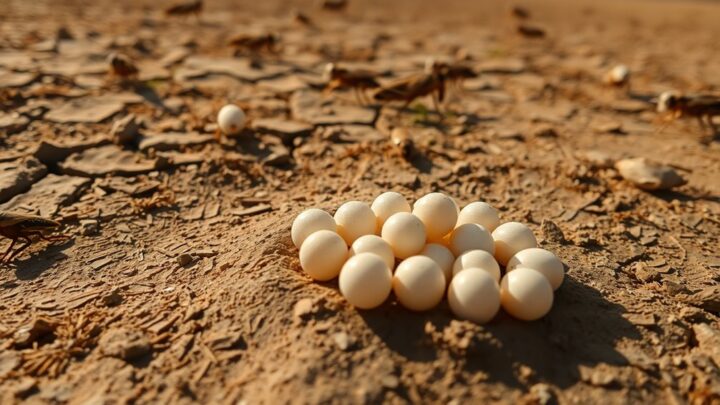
(438,249)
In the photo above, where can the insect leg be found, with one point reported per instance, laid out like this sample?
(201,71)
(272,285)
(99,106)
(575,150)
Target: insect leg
(9,249)
(28,242)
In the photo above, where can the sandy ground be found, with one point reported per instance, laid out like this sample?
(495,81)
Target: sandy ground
(179,282)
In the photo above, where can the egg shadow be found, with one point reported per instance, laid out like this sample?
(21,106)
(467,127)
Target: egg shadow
(581,329)
(403,331)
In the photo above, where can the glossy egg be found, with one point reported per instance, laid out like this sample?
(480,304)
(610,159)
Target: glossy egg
(405,233)
(479,213)
(541,260)
(439,214)
(387,204)
(442,256)
(526,294)
(474,295)
(309,221)
(355,219)
(375,245)
(418,283)
(510,238)
(477,259)
(468,237)
(323,254)
(365,281)
(231,119)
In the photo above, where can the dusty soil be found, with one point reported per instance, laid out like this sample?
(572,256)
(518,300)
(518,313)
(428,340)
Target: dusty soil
(180,283)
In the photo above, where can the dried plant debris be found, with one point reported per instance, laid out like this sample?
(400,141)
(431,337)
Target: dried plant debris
(56,342)
(162,199)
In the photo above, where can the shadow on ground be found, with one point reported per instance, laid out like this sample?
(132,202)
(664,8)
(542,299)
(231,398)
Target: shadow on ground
(582,329)
(39,261)
(669,195)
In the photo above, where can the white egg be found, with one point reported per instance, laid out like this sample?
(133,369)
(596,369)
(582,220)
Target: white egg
(541,260)
(323,254)
(618,74)
(405,233)
(526,294)
(355,219)
(231,119)
(480,213)
(442,256)
(375,245)
(439,214)
(365,281)
(418,283)
(510,238)
(309,221)
(468,237)
(387,204)
(474,295)
(477,259)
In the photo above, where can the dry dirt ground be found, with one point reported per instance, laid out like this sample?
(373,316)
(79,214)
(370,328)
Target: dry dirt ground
(180,284)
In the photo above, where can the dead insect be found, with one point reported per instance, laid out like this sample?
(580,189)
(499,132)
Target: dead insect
(334,5)
(254,43)
(702,106)
(121,66)
(409,88)
(530,31)
(16,226)
(187,8)
(358,80)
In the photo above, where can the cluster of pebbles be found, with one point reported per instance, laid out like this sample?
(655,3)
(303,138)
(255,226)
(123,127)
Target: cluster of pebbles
(426,252)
